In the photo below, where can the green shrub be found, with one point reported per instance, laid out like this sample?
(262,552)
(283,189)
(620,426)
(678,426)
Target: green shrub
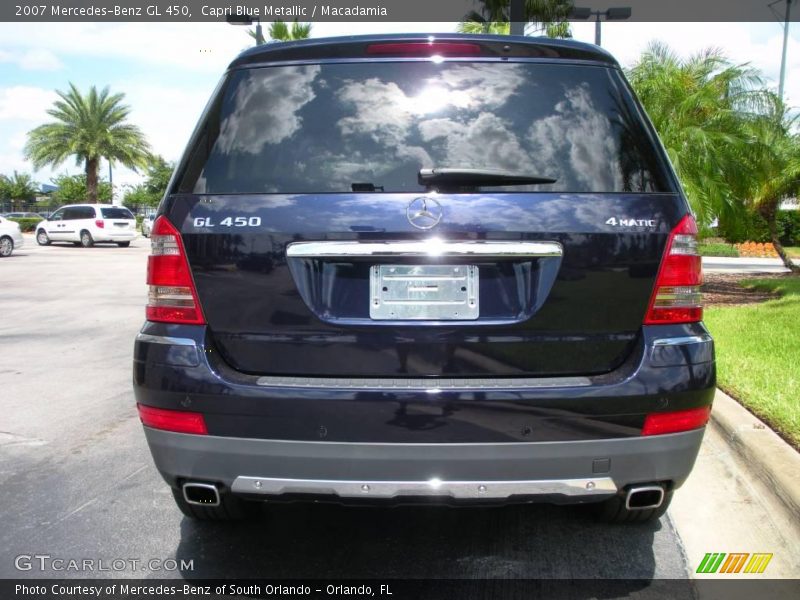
(712,240)
(753,228)
(706,233)
(717,249)
(789,227)
(27,224)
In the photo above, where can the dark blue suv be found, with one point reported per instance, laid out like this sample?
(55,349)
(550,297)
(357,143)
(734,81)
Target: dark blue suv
(424,268)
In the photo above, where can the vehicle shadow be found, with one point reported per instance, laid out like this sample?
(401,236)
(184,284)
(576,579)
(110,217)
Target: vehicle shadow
(96,246)
(331,541)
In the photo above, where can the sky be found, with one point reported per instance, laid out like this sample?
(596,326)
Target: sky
(167,71)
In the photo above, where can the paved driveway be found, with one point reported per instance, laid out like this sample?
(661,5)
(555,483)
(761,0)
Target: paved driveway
(76,479)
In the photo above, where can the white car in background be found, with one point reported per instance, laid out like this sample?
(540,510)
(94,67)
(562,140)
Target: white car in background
(87,225)
(147,225)
(10,237)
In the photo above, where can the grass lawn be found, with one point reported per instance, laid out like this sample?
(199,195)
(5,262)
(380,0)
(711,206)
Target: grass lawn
(793,251)
(717,249)
(758,354)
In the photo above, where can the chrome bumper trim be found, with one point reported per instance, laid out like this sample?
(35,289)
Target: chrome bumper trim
(682,341)
(433,487)
(430,384)
(163,339)
(432,247)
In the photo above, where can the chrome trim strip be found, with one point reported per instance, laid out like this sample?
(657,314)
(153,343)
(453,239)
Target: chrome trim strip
(682,341)
(432,487)
(163,339)
(431,384)
(430,247)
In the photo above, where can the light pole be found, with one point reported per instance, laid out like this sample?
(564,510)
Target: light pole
(516,15)
(248,20)
(783,54)
(619,13)
(111,180)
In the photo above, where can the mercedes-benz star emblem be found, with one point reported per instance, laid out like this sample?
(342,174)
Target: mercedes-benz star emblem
(424,213)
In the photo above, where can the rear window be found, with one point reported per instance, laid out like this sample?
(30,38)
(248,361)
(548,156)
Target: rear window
(341,127)
(116,212)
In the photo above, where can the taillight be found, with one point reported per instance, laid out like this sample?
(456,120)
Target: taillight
(172,297)
(424,49)
(100,223)
(172,420)
(676,296)
(676,421)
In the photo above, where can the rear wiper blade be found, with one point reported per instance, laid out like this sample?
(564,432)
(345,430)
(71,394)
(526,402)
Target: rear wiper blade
(477,177)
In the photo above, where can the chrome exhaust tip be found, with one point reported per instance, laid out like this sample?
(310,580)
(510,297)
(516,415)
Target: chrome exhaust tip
(201,494)
(644,497)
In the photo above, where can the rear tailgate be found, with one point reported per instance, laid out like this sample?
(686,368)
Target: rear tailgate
(330,153)
(118,219)
(575,314)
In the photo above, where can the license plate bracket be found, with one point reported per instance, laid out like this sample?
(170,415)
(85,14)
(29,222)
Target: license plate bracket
(424,292)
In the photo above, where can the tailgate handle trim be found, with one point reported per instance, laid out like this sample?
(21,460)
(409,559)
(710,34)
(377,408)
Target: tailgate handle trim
(422,384)
(433,247)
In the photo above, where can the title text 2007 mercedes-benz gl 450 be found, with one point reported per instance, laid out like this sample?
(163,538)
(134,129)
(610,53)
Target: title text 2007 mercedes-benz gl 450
(402,268)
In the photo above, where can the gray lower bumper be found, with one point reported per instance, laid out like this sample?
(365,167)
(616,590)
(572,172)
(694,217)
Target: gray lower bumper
(470,471)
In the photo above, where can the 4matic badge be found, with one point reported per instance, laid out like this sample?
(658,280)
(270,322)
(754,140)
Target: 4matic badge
(615,222)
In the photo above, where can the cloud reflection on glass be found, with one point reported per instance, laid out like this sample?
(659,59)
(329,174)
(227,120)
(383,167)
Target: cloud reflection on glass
(322,128)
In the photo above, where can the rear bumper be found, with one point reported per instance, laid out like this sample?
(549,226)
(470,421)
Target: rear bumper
(571,439)
(561,472)
(111,235)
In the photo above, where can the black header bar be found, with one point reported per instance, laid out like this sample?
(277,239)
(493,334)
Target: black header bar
(367,10)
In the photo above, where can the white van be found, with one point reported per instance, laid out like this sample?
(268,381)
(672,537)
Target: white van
(87,225)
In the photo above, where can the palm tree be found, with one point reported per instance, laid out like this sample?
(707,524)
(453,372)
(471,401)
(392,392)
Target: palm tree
(549,15)
(774,168)
(703,108)
(493,27)
(280,32)
(20,186)
(89,128)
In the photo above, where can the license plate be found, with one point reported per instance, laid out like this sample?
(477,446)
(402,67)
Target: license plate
(424,292)
(120,224)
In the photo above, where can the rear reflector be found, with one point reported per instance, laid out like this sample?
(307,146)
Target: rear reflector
(172,420)
(676,296)
(673,422)
(172,297)
(424,49)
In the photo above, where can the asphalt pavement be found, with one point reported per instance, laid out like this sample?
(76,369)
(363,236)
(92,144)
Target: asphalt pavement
(77,481)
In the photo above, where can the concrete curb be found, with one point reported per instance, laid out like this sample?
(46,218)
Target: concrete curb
(743,260)
(771,458)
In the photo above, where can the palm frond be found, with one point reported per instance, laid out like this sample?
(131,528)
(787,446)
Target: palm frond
(705,109)
(279,31)
(88,127)
(550,16)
